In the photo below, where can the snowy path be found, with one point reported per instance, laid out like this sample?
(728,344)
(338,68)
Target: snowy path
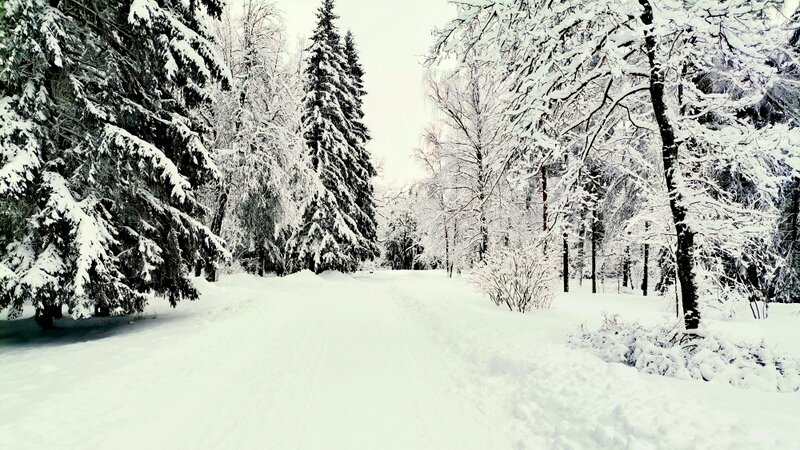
(390,360)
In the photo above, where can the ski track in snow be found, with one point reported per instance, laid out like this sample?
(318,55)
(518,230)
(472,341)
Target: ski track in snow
(385,360)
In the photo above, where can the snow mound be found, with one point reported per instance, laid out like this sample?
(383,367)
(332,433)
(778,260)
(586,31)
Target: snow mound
(304,276)
(335,275)
(709,357)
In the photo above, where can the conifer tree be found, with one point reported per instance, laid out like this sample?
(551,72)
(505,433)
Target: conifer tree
(101,153)
(362,182)
(330,237)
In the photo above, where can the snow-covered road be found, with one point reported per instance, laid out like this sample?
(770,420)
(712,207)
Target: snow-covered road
(385,360)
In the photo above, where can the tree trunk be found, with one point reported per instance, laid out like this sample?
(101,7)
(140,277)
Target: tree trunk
(565,269)
(216,228)
(594,254)
(99,311)
(794,223)
(794,216)
(581,256)
(544,199)
(483,245)
(646,257)
(44,316)
(684,253)
(626,267)
(446,249)
(262,259)
(455,241)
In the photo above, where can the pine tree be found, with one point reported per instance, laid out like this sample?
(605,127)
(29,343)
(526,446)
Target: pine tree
(362,182)
(329,237)
(101,153)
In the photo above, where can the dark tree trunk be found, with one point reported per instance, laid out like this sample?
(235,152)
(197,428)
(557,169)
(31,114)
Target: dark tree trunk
(594,254)
(446,249)
(794,216)
(102,311)
(581,248)
(216,228)
(646,258)
(565,269)
(262,260)
(43,319)
(794,223)
(626,267)
(44,316)
(684,252)
(544,199)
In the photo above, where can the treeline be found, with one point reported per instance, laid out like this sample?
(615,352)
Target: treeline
(655,145)
(139,146)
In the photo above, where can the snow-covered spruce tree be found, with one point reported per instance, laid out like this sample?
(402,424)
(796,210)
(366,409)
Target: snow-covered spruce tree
(584,72)
(329,237)
(361,184)
(256,139)
(101,153)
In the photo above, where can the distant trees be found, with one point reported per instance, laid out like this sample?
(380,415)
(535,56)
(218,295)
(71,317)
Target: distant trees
(466,155)
(660,104)
(102,153)
(403,249)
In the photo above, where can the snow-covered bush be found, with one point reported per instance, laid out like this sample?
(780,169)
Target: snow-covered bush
(521,278)
(709,357)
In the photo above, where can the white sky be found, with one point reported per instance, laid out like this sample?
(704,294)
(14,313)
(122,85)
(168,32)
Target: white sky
(392,37)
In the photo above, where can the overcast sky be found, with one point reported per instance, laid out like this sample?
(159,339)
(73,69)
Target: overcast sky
(392,36)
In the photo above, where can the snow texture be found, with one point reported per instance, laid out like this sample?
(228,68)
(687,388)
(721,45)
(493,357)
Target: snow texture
(709,357)
(385,360)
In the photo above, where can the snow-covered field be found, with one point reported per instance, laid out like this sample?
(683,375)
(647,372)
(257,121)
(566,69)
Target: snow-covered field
(374,361)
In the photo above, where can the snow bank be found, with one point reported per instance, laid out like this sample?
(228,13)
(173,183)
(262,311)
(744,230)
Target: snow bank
(709,356)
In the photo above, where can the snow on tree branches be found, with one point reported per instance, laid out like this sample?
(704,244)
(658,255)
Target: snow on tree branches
(338,226)
(663,92)
(102,151)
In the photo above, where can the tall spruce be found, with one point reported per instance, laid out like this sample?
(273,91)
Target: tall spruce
(362,182)
(330,237)
(101,153)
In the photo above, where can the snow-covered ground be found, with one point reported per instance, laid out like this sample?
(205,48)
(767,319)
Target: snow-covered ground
(385,360)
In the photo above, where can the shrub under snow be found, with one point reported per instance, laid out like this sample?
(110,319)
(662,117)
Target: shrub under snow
(666,351)
(520,278)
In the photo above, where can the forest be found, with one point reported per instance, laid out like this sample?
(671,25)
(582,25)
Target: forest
(612,185)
